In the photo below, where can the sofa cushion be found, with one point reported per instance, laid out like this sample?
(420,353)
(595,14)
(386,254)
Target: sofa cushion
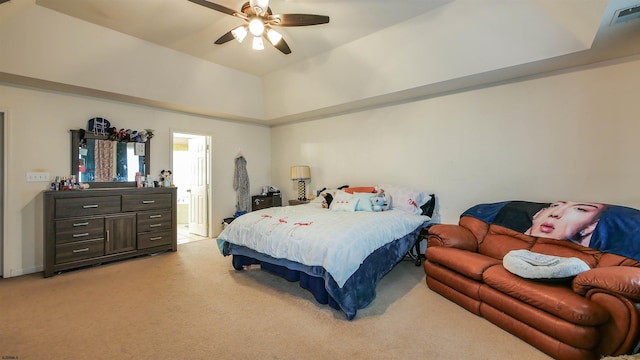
(500,240)
(567,249)
(582,336)
(556,299)
(467,263)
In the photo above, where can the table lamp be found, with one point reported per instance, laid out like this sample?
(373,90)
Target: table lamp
(301,173)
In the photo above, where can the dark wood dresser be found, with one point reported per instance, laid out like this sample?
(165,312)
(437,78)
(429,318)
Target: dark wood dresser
(259,202)
(87,227)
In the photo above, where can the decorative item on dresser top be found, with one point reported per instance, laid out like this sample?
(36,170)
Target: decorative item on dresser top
(88,227)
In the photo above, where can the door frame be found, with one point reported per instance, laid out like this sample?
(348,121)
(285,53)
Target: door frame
(4,124)
(210,141)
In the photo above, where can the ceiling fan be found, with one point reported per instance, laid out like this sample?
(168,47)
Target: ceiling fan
(260,22)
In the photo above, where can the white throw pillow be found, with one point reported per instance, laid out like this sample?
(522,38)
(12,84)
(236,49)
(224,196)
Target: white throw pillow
(531,265)
(343,202)
(405,199)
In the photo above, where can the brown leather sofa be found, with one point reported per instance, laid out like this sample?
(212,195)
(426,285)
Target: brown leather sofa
(594,314)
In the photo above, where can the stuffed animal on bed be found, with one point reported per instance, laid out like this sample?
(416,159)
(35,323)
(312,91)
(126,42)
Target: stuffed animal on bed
(327,200)
(379,201)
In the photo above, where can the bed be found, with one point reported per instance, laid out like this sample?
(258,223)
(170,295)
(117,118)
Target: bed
(339,253)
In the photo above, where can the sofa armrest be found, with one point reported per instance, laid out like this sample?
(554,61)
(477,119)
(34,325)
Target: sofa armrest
(621,280)
(453,236)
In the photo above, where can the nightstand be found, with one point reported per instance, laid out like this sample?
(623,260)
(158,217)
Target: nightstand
(298,202)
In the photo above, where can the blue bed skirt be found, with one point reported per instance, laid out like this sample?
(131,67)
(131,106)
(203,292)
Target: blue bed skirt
(359,290)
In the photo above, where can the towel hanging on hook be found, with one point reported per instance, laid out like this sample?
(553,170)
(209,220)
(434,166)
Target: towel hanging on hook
(241,185)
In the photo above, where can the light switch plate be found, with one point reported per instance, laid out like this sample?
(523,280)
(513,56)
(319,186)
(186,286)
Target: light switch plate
(37,176)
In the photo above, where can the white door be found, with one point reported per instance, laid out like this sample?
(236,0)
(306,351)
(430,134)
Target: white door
(198,204)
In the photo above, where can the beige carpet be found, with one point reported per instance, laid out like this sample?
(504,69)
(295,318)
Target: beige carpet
(192,305)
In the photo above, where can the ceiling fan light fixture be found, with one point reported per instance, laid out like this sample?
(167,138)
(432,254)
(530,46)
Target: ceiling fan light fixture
(239,33)
(259,20)
(257,43)
(273,36)
(256,27)
(259,6)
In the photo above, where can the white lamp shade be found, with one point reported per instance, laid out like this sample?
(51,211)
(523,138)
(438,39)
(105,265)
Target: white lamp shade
(274,36)
(300,172)
(239,33)
(257,44)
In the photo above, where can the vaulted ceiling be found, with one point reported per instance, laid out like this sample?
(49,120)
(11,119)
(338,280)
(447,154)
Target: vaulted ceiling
(457,44)
(191,28)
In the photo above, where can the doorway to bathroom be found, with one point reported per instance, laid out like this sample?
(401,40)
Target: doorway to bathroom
(191,161)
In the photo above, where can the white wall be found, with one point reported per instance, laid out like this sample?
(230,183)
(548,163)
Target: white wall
(38,124)
(478,38)
(570,135)
(62,49)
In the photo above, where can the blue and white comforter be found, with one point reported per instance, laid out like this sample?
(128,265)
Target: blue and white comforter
(313,236)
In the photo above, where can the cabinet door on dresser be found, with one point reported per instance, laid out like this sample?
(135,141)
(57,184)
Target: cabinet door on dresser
(120,233)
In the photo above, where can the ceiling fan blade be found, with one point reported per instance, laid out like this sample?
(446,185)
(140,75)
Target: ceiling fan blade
(225,38)
(280,45)
(297,19)
(216,7)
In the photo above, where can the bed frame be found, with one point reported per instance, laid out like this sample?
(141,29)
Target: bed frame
(359,290)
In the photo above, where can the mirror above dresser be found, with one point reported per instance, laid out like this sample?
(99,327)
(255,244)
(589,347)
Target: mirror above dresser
(104,163)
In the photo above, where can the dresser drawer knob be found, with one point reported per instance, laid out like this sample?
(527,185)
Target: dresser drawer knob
(90,206)
(80,235)
(155,216)
(148,201)
(156,238)
(80,224)
(75,251)
(155,225)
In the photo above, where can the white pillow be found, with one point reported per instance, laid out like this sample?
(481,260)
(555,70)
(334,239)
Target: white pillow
(343,202)
(531,265)
(405,199)
(364,201)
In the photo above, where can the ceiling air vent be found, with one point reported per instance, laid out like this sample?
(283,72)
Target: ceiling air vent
(627,14)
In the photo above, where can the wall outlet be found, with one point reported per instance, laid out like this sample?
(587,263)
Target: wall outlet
(37,176)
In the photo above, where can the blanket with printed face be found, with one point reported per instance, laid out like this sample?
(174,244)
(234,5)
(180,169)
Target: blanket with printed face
(607,228)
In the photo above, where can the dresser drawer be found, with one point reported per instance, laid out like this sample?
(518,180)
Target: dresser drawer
(79,250)
(154,220)
(156,238)
(141,202)
(84,206)
(79,229)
